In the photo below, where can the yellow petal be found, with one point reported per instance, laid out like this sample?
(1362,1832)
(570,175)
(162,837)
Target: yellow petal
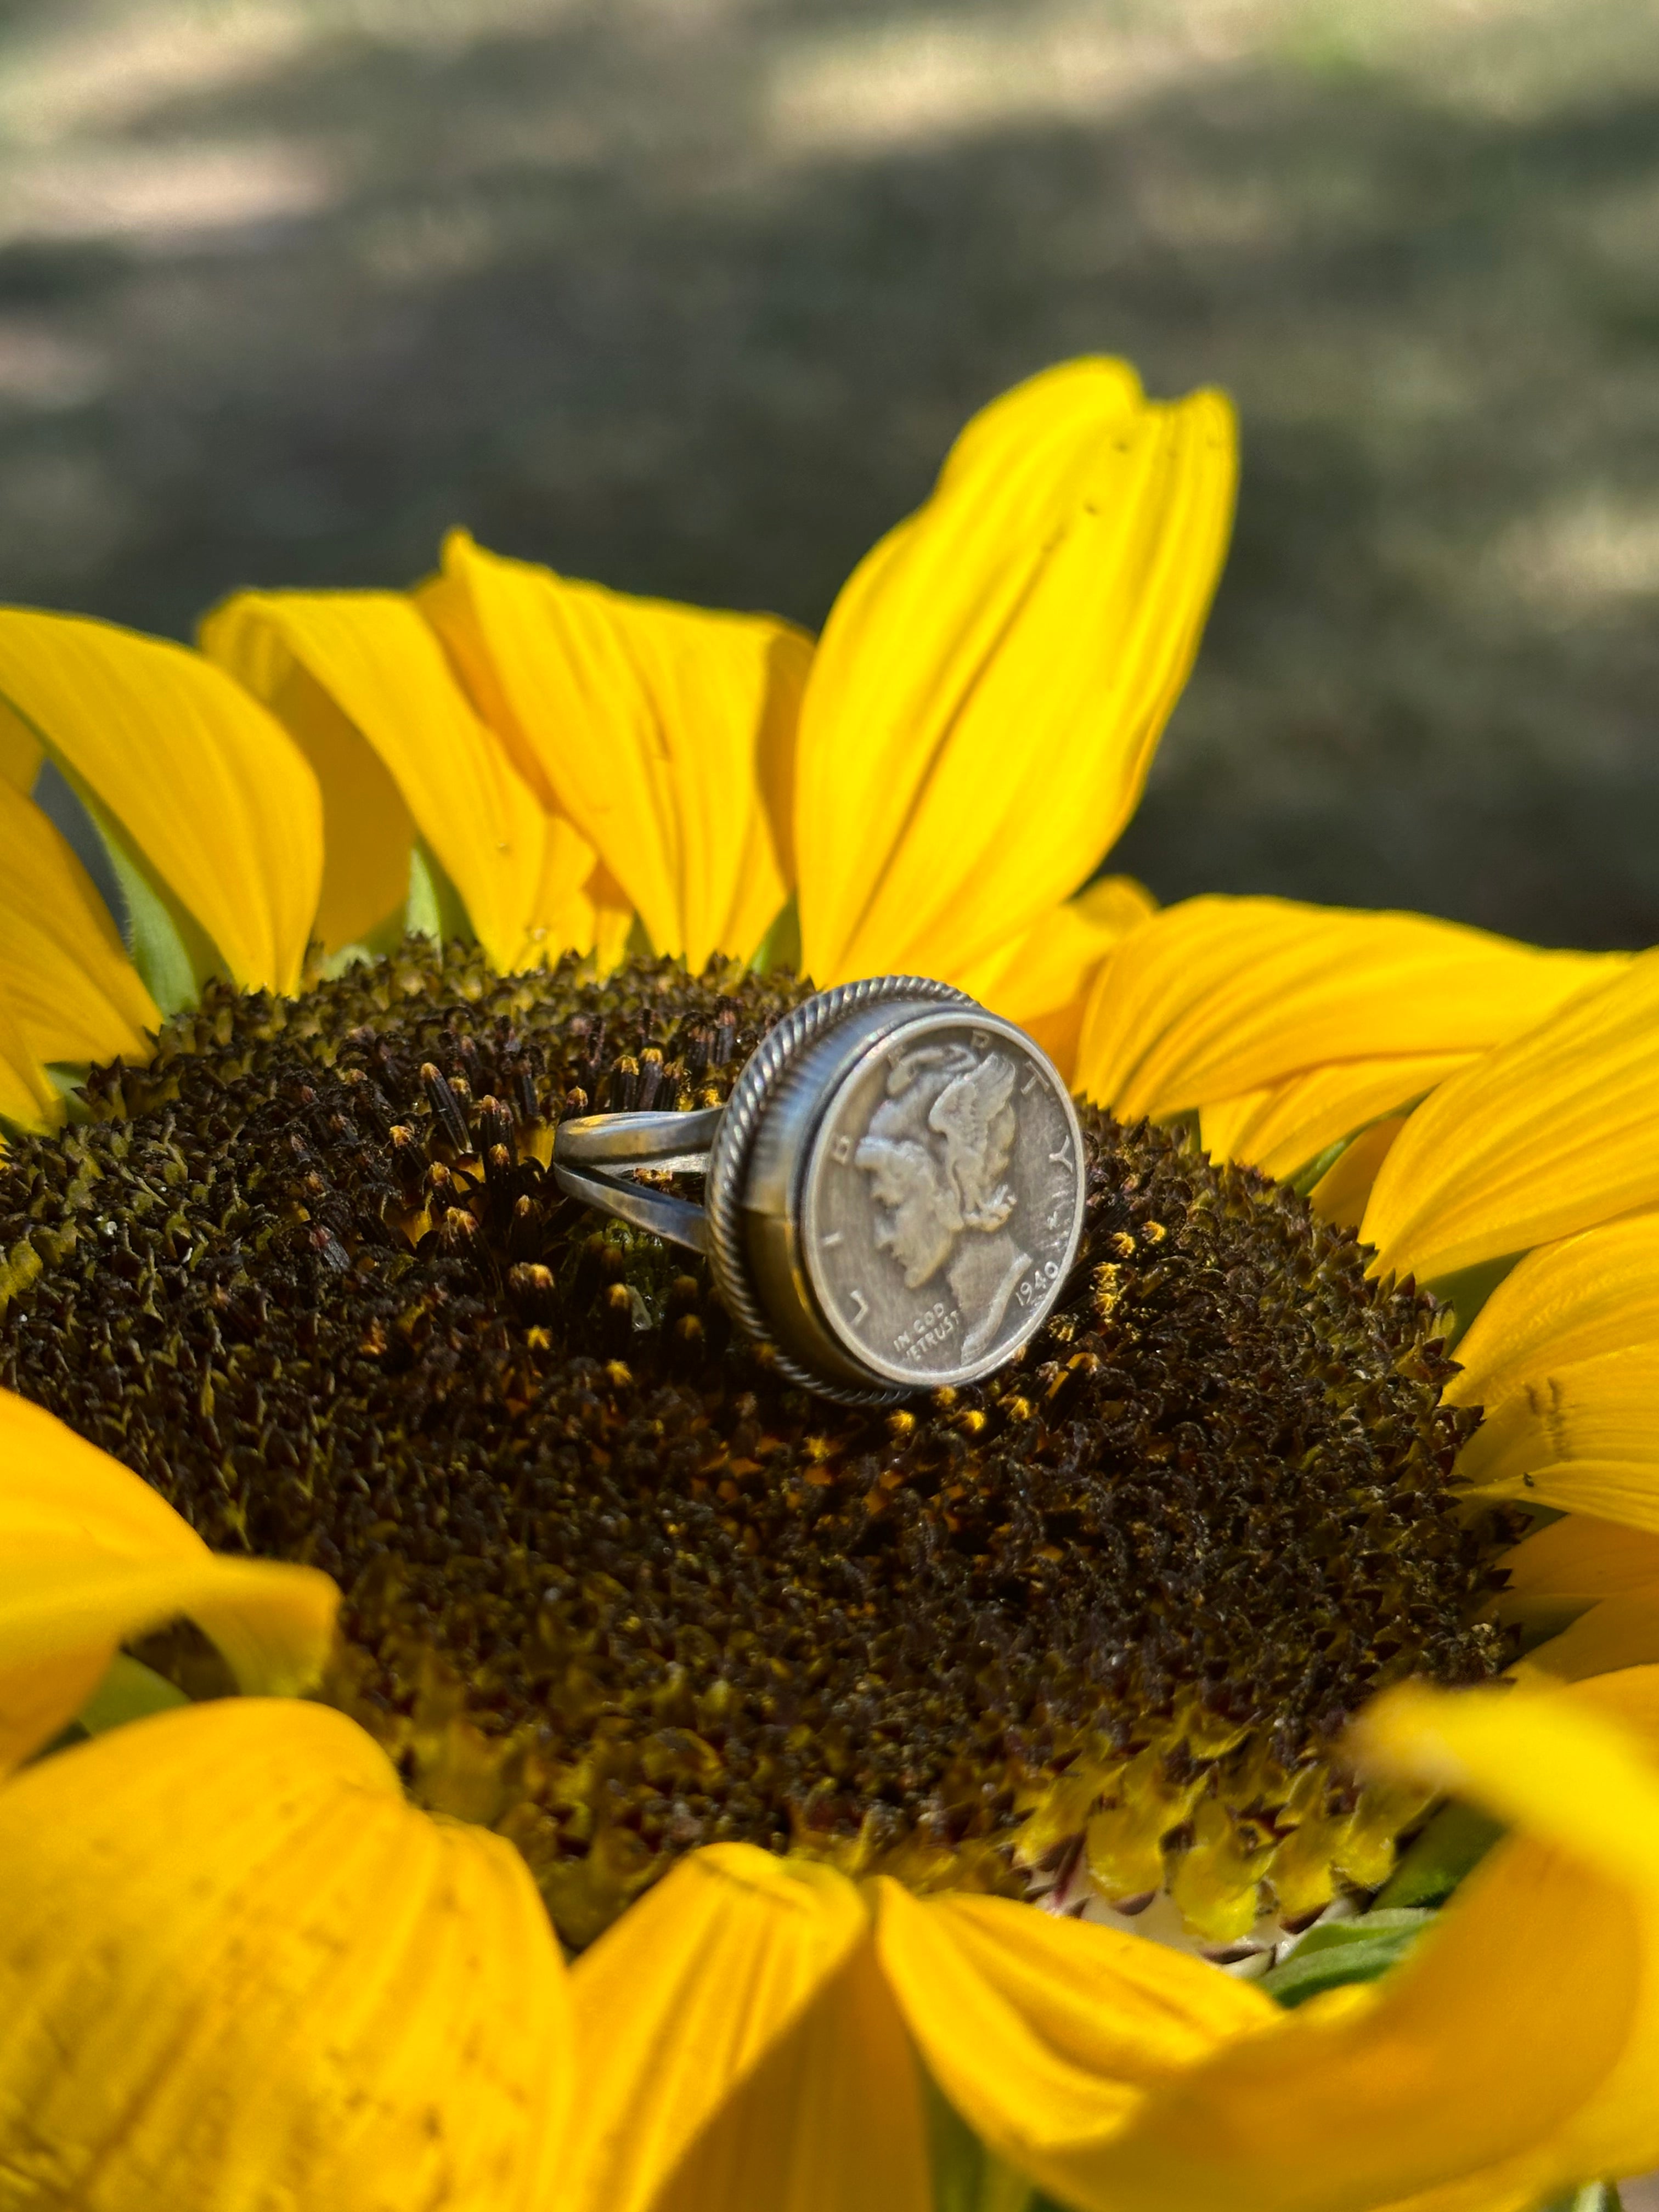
(1467,2062)
(1551,1763)
(368,830)
(1618,2132)
(1606,1573)
(1549,1135)
(1619,1632)
(1576,1768)
(27,1100)
(1579,1557)
(77,996)
(996,674)
(1581,1438)
(1564,1356)
(665,733)
(1045,2034)
(832,2117)
(569,910)
(1419,2088)
(1216,997)
(1342,1193)
(21,751)
(1042,981)
(1281,1128)
(1562,1305)
(1595,1585)
(379,667)
(682,2003)
(241,1972)
(89,1554)
(211,797)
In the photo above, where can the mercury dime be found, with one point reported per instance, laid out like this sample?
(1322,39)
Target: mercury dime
(943,1199)
(915,1194)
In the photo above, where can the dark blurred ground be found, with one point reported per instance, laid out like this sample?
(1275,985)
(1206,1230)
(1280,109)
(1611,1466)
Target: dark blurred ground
(691,295)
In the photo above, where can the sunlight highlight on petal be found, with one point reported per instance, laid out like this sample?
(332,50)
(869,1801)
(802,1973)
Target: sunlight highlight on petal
(996,674)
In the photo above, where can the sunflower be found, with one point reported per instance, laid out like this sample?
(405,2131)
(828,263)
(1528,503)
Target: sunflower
(779,1716)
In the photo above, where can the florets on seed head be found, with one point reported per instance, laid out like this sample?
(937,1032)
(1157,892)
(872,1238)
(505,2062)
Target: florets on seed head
(614,1589)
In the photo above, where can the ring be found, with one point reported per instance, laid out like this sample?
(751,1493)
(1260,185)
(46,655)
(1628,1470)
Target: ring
(893,1193)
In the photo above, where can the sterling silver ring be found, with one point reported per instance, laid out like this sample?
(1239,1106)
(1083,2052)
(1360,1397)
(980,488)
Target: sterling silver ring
(893,1193)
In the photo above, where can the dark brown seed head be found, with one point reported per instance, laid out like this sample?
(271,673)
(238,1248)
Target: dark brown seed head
(615,1590)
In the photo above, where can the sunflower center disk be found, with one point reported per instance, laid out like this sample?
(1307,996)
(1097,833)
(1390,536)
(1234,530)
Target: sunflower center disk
(614,1589)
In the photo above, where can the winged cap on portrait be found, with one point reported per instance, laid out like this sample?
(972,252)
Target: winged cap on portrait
(935,1149)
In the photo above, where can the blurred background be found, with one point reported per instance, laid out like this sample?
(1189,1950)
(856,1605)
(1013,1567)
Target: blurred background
(691,296)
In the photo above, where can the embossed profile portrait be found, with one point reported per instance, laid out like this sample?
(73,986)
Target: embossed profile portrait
(935,1152)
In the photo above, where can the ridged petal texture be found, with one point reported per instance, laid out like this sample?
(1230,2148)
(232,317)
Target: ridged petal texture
(728,2025)
(1549,1135)
(1564,1356)
(995,674)
(89,1555)
(63,967)
(207,794)
(363,686)
(1291,1025)
(667,733)
(240,1974)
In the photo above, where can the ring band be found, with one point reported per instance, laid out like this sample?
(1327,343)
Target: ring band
(894,1192)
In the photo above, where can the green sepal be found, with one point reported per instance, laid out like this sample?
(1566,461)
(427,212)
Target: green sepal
(436,908)
(129,1692)
(1467,1290)
(1338,1952)
(1454,1841)
(1313,1171)
(1316,1169)
(781,946)
(171,950)
(1594,2197)
(968,2178)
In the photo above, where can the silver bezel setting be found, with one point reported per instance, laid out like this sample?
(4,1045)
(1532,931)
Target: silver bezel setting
(733,1147)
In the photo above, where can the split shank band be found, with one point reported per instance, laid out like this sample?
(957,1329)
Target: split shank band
(893,1193)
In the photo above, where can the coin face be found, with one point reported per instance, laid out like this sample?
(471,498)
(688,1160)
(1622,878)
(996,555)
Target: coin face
(943,1199)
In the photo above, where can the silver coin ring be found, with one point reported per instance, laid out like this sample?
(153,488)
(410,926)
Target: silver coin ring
(894,1191)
